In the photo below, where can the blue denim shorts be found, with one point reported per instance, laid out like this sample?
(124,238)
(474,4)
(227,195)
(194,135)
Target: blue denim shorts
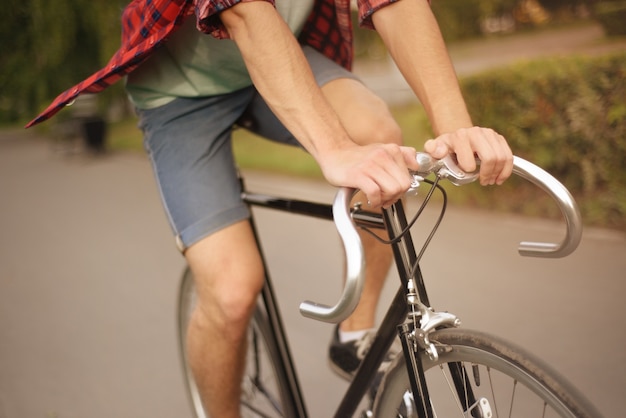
(189,144)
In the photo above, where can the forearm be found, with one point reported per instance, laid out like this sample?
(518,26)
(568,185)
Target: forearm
(281,74)
(412,36)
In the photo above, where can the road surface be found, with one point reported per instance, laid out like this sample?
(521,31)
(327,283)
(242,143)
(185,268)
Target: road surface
(89,273)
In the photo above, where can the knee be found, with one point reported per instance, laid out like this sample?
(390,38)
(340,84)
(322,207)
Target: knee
(379,127)
(236,304)
(228,304)
(387,131)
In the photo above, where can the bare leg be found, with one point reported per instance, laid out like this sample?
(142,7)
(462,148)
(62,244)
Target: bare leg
(378,260)
(368,120)
(228,274)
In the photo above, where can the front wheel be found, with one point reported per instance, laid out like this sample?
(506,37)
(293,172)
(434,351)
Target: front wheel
(263,389)
(494,379)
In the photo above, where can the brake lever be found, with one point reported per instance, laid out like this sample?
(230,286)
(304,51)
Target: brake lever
(446,168)
(450,170)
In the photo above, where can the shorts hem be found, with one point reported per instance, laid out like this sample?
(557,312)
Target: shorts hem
(209,225)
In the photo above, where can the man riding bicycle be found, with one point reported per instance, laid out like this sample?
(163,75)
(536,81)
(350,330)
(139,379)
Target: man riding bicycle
(280,68)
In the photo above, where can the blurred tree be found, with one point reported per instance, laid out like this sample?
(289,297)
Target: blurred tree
(458,19)
(492,8)
(48,46)
(556,6)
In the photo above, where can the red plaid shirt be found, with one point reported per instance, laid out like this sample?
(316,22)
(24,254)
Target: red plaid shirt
(146,24)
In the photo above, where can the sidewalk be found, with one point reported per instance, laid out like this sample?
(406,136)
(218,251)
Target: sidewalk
(476,55)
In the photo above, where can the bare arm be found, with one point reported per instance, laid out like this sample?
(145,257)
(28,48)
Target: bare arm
(281,74)
(413,39)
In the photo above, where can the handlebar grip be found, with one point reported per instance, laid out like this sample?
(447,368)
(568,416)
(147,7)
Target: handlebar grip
(566,203)
(355,266)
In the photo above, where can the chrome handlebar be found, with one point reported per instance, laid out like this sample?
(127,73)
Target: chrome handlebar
(565,202)
(355,265)
(445,168)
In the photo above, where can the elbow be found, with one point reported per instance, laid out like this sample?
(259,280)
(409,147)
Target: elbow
(237,19)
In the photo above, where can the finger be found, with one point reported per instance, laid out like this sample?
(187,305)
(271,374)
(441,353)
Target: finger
(371,191)
(490,164)
(502,157)
(376,182)
(392,182)
(463,148)
(409,154)
(405,161)
(437,148)
(507,168)
(495,156)
(390,171)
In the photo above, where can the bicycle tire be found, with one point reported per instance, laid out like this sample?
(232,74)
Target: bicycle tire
(264,392)
(488,361)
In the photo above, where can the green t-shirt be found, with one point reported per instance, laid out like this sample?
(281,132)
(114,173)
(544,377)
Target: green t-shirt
(193,64)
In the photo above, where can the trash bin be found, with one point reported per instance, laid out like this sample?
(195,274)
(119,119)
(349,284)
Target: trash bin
(94,133)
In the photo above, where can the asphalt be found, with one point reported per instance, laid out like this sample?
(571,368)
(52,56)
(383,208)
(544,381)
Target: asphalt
(89,274)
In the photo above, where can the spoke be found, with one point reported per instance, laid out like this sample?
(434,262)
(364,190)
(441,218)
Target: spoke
(465,381)
(494,383)
(258,412)
(512,398)
(255,345)
(493,395)
(257,388)
(455,395)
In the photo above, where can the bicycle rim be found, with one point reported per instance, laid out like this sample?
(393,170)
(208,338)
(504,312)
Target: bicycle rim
(263,392)
(505,380)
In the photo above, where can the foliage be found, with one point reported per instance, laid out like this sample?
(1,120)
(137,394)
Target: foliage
(611,15)
(49,46)
(459,19)
(569,117)
(555,6)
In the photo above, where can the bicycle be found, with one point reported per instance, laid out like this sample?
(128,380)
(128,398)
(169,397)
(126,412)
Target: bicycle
(453,371)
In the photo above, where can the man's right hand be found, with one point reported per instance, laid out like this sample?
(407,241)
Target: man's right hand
(380,171)
(493,151)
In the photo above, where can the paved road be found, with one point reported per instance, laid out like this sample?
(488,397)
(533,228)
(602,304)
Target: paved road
(88,278)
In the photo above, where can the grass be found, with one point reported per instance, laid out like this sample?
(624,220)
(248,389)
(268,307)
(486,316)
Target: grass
(125,136)
(253,152)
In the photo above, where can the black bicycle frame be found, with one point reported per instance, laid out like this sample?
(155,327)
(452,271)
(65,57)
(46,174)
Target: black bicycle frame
(392,220)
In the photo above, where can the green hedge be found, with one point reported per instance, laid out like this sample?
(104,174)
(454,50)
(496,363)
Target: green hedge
(458,19)
(567,115)
(612,16)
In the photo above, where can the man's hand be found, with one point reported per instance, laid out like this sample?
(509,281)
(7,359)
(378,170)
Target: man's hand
(410,31)
(380,171)
(496,158)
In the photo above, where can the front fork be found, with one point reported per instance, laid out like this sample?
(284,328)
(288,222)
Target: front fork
(422,320)
(415,340)
(414,335)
